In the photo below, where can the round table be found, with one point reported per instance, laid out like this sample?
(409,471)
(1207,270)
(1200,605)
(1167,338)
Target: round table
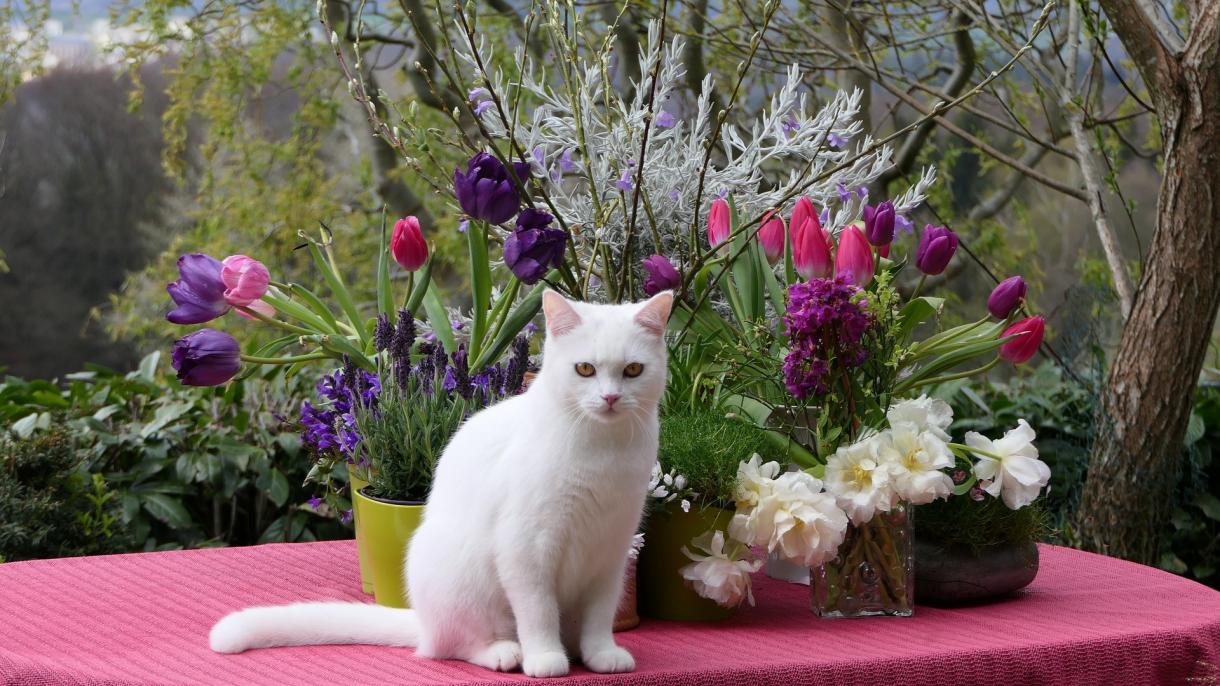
(143,619)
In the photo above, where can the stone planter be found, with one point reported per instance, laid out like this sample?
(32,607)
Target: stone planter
(957,576)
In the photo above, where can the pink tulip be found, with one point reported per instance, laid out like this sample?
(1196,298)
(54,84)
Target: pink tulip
(1029,333)
(260,306)
(771,236)
(802,211)
(811,250)
(407,244)
(245,279)
(718,222)
(855,257)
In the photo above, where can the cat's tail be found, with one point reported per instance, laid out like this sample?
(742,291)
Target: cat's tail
(303,624)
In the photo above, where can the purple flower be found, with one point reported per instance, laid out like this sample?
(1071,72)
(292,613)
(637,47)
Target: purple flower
(481,97)
(383,333)
(903,224)
(674,195)
(662,276)
(539,156)
(825,324)
(482,107)
(936,248)
(837,141)
(534,247)
(862,192)
(879,223)
(624,183)
(665,120)
(790,126)
(206,358)
(477,94)
(486,191)
(315,502)
(199,292)
(824,216)
(464,226)
(844,194)
(1006,297)
(565,161)
(456,325)
(345,516)
(514,376)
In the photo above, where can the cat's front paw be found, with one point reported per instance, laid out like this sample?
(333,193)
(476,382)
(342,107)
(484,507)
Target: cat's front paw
(545,664)
(610,660)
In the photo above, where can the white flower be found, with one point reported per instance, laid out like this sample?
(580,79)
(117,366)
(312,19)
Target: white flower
(1015,471)
(796,518)
(754,481)
(668,487)
(859,481)
(716,576)
(914,459)
(927,414)
(637,543)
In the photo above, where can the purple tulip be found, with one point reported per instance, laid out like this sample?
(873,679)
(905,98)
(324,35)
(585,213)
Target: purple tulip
(936,248)
(879,223)
(662,275)
(534,247)
(206,358)
(199,292)
(1006,297)
(486,191)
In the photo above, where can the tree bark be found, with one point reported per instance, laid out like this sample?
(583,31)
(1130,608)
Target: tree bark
(1146,401)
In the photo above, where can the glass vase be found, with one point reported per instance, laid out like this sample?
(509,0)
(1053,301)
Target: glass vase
(874,572)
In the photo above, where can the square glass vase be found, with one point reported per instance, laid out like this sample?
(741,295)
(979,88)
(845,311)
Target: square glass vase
(874,573)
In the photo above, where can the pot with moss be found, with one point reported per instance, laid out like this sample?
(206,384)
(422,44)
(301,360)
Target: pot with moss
(973,548)
(691,497)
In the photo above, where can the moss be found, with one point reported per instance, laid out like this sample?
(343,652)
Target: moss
(978,525)
(706,448)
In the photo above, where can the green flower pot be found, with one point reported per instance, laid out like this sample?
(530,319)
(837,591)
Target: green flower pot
(362,549)
(388,526)
(661,591)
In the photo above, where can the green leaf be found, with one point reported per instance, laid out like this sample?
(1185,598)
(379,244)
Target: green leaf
(165,415)
(147,371)
(480,283)
(1195,429)
(277,489)
(317,307)
(1210,505)
(526,310)
(385,298)
(340,291)
(168,510)
(916,312)
(439,319)
(422,285)
(1172,563)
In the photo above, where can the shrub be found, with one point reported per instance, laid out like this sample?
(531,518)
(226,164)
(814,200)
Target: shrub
(50,506)
(706,448)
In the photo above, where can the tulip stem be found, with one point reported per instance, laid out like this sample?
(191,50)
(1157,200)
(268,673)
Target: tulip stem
(254,359)
(919,286)
(275,322)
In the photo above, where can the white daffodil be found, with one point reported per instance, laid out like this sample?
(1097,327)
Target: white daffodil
(915,459)
(927,414)
(859,480)
(754,481)
(796,519)
(715,575)
(1011,464)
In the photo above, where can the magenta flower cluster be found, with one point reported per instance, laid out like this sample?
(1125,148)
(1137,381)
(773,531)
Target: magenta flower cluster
(825,325)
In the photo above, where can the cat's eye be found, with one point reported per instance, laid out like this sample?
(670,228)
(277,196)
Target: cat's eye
(633,370)
(585,369)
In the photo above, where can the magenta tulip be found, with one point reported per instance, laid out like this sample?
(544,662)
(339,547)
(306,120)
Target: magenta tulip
(855,257)
(1029,333)
(1006,297)
(260,306)
(802,211)
(407,244)
(879,223)
(811,250)
(936,248)
(245,279)
(771,236)
(718,222)
(662,275)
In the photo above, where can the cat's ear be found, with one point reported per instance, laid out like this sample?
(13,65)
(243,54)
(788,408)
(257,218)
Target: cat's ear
(653,315)
(561,317)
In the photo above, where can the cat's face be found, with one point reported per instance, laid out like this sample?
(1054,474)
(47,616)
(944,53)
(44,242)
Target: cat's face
(607,362)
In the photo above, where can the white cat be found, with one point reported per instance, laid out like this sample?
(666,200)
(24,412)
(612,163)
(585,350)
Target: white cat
(522,550)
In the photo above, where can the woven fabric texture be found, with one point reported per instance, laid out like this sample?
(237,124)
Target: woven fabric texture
(143,619)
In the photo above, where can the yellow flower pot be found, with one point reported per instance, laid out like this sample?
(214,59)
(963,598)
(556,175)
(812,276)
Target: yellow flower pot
(662,592)
(388,526)
(366,569)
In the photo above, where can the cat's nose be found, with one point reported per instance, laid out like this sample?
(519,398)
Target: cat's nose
(610,399)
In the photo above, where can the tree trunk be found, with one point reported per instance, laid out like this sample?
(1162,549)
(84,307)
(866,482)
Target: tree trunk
(1146,402)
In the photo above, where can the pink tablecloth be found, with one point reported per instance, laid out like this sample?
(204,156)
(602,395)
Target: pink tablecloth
(143,619)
